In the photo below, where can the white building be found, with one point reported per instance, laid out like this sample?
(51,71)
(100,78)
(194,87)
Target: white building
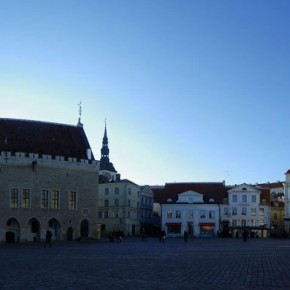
(190,213)
(287,202)
(247,207)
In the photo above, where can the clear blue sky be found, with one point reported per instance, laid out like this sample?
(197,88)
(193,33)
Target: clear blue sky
(192,90)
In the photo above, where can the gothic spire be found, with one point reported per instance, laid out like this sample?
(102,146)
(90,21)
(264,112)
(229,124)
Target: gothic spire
(105,163)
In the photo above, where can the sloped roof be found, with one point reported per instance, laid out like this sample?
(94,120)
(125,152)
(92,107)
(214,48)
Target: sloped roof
(271,185)
(210,190)
(265,194)
(43,138)
(106,165)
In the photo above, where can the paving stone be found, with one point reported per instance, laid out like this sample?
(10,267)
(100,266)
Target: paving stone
(260,264)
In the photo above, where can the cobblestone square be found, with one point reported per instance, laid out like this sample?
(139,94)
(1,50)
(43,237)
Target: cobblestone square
(135,264)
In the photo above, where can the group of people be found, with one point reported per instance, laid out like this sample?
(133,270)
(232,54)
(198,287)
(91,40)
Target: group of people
(116,236)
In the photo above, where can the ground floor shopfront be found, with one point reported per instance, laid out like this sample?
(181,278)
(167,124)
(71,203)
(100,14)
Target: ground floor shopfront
(236,232)
(202,230)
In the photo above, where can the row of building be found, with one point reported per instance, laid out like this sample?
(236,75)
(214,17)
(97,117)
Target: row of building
(50,179)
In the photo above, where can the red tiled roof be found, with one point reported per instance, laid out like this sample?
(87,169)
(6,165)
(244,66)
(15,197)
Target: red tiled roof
(43,138)
(265,194)
(271,184)
(210,190)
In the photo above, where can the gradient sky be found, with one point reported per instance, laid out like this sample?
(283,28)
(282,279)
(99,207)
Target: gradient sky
(192,90)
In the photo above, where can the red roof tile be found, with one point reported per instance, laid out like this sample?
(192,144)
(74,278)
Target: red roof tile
(210,190)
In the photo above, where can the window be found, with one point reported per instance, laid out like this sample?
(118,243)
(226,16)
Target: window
(275,216)
(129,214)
(234,223)
(261,223)
(244,223)
(106,202)
(244,198)
(116,214)
(106,214)
(202,214)
(262,211)
(117,190)
(169,214)
(26,198)
(72,200)
(129,191)
(86,211)
(55,199)
(178,214)
(100,214)
(107,190)
(235,211)
(116,202)
(44,199)
(129,203)
(253,223)
(211,214)
(190,214)
(235,198)
(254,198)
(253,211)
(244,211)
(138,204)
(14,197)
(226,211)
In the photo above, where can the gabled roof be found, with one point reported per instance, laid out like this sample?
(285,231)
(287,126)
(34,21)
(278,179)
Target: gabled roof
(244,187)
(271,185)
(210,190)
(43,138)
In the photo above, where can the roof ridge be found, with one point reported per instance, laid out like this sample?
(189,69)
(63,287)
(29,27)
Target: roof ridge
(38,121)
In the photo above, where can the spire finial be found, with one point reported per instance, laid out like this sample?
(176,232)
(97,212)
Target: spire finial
(80,113)
(80,110)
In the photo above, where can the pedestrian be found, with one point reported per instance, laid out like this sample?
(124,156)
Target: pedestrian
(144,237)
(185,236)
(163,236)
(48,236)
(245,235)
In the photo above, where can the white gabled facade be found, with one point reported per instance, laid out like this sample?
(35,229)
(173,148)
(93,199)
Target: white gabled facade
(245,209)
(190,214)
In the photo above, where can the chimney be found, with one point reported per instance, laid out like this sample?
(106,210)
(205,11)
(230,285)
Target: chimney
(89,153)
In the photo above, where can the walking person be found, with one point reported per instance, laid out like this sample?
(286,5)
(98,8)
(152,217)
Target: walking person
(163,236)
(185,236)
(144,237)
(48,236)
(245,235)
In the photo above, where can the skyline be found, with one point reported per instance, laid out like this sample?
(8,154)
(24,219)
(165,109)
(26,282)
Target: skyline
(192,91)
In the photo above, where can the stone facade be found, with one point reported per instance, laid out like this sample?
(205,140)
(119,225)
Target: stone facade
(48,181)
(47,193)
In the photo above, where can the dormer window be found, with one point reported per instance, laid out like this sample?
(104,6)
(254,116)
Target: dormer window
(244,188)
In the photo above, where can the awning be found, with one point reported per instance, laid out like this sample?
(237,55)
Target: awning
(173,224)
(206,224)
